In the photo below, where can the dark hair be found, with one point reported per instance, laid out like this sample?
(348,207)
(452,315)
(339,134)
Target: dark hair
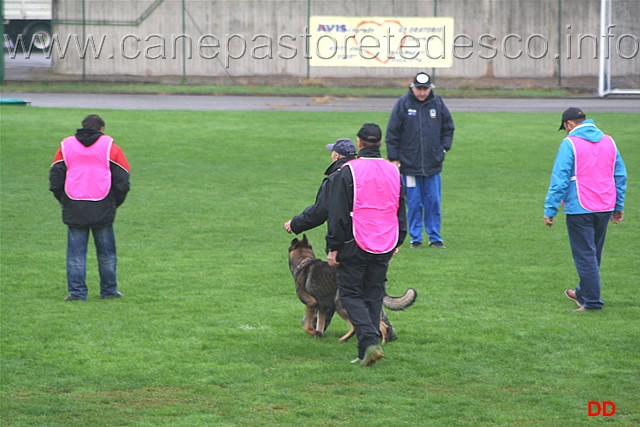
(367,144)
(93,121)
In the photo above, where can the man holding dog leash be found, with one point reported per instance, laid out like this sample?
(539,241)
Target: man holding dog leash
(342,151)
(367,223)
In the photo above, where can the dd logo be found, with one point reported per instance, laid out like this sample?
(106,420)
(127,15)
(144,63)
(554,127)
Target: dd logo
(606,409)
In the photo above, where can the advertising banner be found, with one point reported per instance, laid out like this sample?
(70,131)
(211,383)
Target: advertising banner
(339,41)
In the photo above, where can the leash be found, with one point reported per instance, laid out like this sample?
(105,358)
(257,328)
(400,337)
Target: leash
(302,265)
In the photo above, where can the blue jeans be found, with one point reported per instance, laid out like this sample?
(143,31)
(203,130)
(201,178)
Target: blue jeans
(105,241)
(586,236)
(423,206)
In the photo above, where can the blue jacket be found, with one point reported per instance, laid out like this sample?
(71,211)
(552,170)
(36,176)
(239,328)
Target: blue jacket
(563,188)
(419,134)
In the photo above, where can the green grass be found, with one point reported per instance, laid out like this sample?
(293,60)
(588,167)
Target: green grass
(310,89)
(209,333)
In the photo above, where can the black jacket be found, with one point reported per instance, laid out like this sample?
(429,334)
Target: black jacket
(419,134)
(340,230)
(317,213)
(87,213)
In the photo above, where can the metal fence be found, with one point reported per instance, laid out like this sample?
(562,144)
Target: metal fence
(236,38)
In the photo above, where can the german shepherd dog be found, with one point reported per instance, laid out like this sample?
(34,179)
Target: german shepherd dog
(316,287)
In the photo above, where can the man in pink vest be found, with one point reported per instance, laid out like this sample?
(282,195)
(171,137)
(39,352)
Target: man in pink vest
(590,179)
(90,178)
(366,224)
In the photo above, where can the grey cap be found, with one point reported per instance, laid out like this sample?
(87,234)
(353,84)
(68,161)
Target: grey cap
(343,146)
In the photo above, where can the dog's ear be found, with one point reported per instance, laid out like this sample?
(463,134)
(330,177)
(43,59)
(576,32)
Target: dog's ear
(304,242)
(294,244)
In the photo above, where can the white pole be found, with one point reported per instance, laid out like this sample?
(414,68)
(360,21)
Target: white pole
(603,78)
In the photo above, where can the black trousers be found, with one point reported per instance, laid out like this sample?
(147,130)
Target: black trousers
(361,280)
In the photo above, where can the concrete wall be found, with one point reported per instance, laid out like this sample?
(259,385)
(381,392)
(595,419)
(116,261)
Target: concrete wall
(138,38)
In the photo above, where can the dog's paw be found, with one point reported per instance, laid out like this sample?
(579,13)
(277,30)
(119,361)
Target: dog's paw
(319,334)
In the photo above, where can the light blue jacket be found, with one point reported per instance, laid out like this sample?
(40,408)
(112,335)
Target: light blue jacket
(563,188)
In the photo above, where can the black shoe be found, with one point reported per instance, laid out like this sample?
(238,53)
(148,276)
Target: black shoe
(116,295)
(372,354)
(72,298)
(439,245)
(416,245)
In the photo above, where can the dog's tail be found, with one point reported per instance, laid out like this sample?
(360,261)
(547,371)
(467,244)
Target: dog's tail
(400,303)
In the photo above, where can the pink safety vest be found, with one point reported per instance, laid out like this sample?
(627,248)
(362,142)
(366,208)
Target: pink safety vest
(376,197)
(88,171)
(594,168)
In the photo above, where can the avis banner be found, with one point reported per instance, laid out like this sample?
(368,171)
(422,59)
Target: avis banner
(339,41)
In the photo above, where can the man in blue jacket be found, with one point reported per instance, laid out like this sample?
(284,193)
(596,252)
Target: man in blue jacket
(589,177)
(419,134)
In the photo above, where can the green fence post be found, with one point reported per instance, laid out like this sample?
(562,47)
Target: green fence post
(84,40)
(435,14)
(559,43)
(2,31)
(184,42)
(308,43)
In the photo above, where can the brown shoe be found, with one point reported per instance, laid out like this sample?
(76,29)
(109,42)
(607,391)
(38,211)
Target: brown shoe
(571,294)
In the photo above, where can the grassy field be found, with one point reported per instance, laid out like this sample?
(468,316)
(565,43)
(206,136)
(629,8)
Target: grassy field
(209,333)
(309,89)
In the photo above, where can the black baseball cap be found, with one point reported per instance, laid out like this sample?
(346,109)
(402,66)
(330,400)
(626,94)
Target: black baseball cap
(343,146)
(571,113)
(370,132)
(422,79)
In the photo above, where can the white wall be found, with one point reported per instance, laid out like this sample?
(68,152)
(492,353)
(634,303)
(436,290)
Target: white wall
(254,21)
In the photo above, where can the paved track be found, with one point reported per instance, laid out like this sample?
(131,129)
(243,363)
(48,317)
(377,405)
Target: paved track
(247,103)
(37,65)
